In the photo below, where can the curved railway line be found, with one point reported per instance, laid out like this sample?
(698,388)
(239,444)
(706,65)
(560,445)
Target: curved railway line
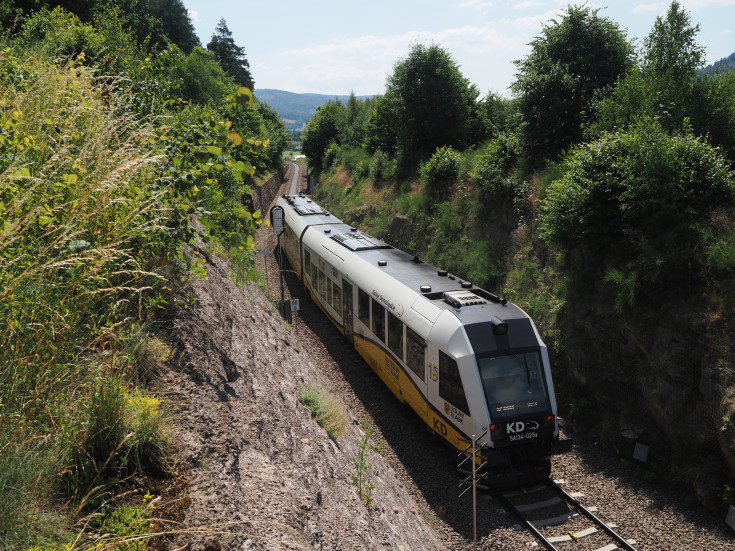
(658,518)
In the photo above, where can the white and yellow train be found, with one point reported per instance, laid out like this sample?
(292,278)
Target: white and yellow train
(466,361)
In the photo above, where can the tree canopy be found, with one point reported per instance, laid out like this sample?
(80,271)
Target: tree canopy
(571,63)
(429,104)
(230,55)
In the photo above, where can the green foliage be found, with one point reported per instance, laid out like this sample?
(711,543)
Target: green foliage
(382,167)
(322,130)
(95,199)
(440,172)
(570,64)
(361,469)
(202,79)
(666,87)
(230,56)
(428,103)
(497,159)
(125,528)
(617,193)
(326,409)
(25,475)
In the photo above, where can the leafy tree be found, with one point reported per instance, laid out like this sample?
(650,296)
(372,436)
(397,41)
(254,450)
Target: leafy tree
(571,63)
(323,129)
(380,128)
(201,78)
(357,114)
(618,192)
(156,23)
(668,88)
(230,55)
(428,102)
(712,111)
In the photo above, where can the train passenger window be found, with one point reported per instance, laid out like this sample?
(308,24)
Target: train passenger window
(307,262)
(336,297)
(363,307)
(378,321)
(450,383)
(395,335)
(323,282)
(328,291)
(416,353)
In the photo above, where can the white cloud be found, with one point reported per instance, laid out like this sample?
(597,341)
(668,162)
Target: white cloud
(193,15)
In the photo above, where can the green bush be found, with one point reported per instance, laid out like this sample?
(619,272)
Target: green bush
(491,170)
(440,172)
(382,167)
(618,193)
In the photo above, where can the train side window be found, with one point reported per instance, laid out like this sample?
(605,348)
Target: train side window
(363,307)
(415,353)
(395,335)
(450,383)
(307,262)
(336,297)
(323,282)
(378,319)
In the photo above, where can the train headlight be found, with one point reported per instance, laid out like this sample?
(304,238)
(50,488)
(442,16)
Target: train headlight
(499,326)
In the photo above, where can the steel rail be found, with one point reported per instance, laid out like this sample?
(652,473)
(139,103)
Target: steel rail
(527,523)
(590,515)
(619,540)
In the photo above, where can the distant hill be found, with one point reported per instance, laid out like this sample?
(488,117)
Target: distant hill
(724,64)
(296,109)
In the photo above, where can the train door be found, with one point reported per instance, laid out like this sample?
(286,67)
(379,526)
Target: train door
(347,309)
(432,390)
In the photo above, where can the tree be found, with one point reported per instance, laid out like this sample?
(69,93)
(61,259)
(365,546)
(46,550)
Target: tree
(322,130)
(428,102)
(230,55)
(670,62)
(571,63)
(666,87)
(202,78)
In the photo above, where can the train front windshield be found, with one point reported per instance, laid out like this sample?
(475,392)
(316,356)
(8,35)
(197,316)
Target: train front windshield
(514,384)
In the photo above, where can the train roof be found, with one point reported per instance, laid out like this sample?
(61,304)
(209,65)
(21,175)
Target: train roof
(442,289)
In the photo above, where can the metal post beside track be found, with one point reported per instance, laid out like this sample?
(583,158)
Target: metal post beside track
(470,453)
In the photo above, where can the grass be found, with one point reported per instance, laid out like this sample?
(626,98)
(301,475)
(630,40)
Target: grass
(84,235)
(326,409)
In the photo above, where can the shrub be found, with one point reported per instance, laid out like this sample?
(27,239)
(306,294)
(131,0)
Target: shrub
(440,172)
(326,409)
(491,170)
(618,192)
(382,167)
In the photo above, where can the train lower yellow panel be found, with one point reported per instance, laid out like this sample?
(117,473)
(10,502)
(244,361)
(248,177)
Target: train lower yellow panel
(404,389)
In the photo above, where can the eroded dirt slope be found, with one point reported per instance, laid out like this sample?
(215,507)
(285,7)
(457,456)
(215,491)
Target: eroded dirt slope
(262,474)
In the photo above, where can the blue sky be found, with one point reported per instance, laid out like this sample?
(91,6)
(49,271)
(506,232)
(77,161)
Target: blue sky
(335,47)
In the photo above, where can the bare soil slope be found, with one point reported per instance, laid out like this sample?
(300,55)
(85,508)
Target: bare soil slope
(262,473)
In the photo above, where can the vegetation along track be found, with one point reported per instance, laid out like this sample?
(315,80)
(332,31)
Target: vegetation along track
(658,518)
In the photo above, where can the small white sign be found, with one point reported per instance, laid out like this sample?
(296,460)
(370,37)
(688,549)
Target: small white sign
(294,305)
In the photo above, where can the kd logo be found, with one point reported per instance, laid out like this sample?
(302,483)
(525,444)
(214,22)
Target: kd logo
(516,427)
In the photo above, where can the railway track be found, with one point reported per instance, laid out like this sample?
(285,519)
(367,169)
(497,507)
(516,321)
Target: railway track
(293,187)
(557,519)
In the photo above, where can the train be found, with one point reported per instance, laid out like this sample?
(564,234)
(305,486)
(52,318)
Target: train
(469,363)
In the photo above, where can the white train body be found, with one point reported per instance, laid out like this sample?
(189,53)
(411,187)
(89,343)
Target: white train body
(467,362)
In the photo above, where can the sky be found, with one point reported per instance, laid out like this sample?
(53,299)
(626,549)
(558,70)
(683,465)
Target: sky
(338,47)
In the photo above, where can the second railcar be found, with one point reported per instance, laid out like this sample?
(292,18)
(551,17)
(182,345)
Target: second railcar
(466,361)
